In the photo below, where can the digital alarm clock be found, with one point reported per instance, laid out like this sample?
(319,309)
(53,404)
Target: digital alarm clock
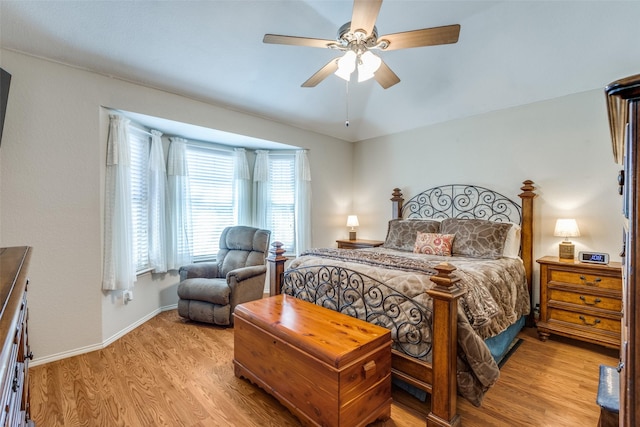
(594,257)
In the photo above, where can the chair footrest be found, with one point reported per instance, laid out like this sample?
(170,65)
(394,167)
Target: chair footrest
(609,389)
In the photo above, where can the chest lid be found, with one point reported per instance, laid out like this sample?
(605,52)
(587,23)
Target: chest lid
(332,337)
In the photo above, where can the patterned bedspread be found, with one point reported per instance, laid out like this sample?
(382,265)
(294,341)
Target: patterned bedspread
(496,297)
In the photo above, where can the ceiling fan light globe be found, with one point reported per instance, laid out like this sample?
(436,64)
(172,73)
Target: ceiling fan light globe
(346,65)
(363,77)
(343,75)
(369,62)
(367,66)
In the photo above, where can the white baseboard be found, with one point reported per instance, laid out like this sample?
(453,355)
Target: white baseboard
(75,352)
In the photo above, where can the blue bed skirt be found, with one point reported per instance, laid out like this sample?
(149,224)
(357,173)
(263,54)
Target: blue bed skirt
(500,344)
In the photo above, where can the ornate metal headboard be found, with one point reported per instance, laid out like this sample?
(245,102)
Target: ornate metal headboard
(462,201)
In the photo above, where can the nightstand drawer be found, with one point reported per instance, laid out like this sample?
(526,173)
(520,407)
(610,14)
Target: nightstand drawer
(584,279)
(588,321)
(584,299)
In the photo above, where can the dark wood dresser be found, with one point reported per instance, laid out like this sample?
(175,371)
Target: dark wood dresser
(15,355)
(623,105)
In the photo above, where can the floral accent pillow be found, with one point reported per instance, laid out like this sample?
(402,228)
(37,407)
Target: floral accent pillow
(401,233)
(477,238)
(433,244)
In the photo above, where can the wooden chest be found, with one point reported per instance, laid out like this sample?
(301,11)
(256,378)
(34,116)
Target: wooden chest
(328,368)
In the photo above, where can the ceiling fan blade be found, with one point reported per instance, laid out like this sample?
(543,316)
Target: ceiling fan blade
(425,37)
(385,76)
(322,74)
(364,15)
(297,41)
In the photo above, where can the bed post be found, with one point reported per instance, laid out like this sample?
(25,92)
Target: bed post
(275,263)
(526,239)
(396,204)
(444,347)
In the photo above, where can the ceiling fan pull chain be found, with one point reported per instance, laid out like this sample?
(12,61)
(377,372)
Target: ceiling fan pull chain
(346,123)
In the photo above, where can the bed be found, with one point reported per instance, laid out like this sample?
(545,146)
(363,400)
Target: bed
(452,282)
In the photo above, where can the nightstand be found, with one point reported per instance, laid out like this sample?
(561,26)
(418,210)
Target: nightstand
(358,244)
(580,300)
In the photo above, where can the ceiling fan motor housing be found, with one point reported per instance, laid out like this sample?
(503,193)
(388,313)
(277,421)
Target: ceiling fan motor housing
(345,34)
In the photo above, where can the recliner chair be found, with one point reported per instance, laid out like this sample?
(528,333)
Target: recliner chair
(210,291)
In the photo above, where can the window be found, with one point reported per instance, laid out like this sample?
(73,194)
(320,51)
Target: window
(211,186)
(212,200)
(281,222)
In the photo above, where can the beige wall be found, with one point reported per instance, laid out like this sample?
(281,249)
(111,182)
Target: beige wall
(563,145)
(52,190)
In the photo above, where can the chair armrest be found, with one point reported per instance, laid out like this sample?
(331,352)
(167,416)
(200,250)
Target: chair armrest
(244,273)
(207,270)
(246,284)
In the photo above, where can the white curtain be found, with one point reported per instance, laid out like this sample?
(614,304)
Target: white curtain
(179,239)
(262,207)
(119,270)
(302,202)
(157,205)
(242,187)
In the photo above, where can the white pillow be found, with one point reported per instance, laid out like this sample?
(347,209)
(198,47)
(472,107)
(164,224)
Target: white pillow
(512,242)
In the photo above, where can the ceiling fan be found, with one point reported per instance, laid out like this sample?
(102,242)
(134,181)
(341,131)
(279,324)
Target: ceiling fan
(358,38)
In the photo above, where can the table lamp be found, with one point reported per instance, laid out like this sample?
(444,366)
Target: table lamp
(352,221)
(566,228)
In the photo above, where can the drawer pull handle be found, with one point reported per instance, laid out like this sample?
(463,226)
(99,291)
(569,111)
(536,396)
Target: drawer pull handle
(369,368)
(595,301)
(595,322)
(594,283)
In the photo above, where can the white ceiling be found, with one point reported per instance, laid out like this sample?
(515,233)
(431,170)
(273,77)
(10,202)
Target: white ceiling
(509,53)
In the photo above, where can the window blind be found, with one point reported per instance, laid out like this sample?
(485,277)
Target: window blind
(139,147)
(282,182)
(212,203)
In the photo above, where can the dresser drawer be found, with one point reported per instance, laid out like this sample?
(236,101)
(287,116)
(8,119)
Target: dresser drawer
(585,321)
(585,279)
(584,299)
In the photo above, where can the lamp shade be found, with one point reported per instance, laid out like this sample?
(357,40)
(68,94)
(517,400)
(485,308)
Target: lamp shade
(566,228)
(352,221)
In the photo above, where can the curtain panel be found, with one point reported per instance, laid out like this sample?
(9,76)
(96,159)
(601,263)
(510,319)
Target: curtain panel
(180,232)
(119,270)
(157,205)
(242,182)
(303,202)
(262,205)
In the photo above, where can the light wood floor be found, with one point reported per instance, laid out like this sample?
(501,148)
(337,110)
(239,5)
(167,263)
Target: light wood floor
(168,372)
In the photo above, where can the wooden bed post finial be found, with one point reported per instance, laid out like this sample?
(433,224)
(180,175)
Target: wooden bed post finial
(528,187)
(445,344)
(445,277)
(396,204)
(275,262)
